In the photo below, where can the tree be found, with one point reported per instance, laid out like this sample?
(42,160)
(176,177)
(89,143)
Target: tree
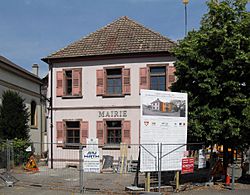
(213,67)
(14,117)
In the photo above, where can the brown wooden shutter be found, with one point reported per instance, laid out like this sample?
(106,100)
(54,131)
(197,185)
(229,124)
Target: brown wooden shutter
(100,132)
(144,83)
(76,82)
(59,83)
(84,133)
(60,133)
(126,81)
(99,82)
(126,132)
(170,76)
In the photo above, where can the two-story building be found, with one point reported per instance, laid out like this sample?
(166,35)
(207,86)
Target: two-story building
(96,84)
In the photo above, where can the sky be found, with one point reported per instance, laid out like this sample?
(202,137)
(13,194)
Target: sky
(33,29)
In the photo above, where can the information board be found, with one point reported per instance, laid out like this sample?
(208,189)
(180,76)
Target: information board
(91,157)
(163,120)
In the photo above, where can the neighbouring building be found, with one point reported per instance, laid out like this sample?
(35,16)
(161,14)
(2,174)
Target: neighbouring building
(28,85)
(96,84)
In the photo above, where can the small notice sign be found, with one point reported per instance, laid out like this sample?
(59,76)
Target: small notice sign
(91,157)
(187,165)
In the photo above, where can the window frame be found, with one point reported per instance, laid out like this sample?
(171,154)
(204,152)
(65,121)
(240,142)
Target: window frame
(65,95)
(106,131)
(149,66)
(66,78)
(67,144)
(107,77)
(106,94)
(35,117)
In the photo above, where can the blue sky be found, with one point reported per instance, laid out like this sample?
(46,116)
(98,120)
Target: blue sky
(32,29)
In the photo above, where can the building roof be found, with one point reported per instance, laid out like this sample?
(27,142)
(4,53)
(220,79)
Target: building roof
(156,101)
(123,36)
(7,64)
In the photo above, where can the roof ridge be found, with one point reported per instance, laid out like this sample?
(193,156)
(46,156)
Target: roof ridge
(83,37)
(97,42)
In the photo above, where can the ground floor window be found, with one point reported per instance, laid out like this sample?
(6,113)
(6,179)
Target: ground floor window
(73,132)
(114,132)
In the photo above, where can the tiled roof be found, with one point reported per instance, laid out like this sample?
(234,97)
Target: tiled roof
(123,36)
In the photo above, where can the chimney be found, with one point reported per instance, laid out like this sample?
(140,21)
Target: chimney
(35,68)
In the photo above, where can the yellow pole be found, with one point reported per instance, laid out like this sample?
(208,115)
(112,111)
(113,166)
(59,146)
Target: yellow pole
(177,181)
(147,182)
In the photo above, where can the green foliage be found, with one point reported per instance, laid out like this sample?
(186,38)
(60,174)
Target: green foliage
(14,117)
(213,67)
(20,154)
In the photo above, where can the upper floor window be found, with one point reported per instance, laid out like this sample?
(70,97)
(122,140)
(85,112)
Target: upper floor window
(113,81)
(33,115)
(69,83)
(157,77)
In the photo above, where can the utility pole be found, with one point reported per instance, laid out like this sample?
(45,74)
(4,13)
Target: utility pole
(185,2)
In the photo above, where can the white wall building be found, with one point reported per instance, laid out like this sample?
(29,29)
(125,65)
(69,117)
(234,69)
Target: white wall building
(28,85)
(96,84)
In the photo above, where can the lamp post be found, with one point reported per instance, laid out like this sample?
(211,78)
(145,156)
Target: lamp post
(185,2)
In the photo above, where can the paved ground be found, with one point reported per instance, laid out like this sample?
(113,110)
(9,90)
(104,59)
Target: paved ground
(66,181)
(18,190)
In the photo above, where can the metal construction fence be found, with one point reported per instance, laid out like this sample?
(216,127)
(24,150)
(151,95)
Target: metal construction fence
(109,168)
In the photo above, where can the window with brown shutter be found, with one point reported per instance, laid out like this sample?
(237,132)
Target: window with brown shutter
(113,82)
(126,132)
(84,134)
(100,132)
(157,77)
(144,78)
(69,83)
(60,133)
(59,83)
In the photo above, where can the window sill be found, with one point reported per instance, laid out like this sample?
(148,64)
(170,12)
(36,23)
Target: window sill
(71,97)
(112,147)
(34,127)
(113,96)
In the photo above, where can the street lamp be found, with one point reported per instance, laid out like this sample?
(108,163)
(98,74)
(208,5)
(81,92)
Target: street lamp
(185,2)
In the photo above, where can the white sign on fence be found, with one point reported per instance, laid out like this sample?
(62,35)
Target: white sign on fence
(163,120)
(91,157)
(202,159)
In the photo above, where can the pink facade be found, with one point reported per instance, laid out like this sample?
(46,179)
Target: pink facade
(96,92)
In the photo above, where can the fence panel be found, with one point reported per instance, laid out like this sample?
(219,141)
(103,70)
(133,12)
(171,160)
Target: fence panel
(118,165)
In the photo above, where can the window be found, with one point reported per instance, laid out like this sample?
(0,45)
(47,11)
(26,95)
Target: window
(114,132)
(73,132)
(114,81)
(69,83)
(158,78)
(33,114)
